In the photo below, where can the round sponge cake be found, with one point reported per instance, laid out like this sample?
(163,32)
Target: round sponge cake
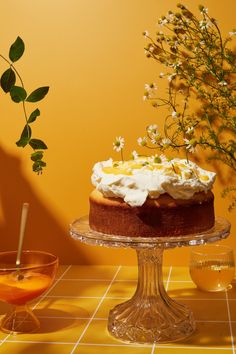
(164,216)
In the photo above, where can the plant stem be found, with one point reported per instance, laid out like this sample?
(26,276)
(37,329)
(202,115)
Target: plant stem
(22,84)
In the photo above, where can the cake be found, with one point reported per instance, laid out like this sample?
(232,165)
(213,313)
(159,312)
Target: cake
(151,197)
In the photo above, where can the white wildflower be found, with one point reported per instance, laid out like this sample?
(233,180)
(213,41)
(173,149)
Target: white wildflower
(174,114)
(190,144)
(152,129)
(175,46)
(162,21)
(171,17)
(171,77)
(176,65)
(190,130)
(232,33)
(134,155)
(150,87)
(204,24)
(204,10)
(142,141)
(223,83)
(145,34)
(155,139)
(149,90)
(165,142)
(161,75)
(151,48)
(119,143)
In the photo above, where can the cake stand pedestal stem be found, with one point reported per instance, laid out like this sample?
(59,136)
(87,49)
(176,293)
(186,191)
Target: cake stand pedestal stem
(150,315)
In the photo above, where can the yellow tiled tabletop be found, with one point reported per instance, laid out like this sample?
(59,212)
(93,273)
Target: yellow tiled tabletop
(74,312)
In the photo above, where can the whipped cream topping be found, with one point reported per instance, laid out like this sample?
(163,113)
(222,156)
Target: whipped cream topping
(135,180)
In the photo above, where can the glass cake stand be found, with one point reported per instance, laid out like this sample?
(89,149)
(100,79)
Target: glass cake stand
(150,315)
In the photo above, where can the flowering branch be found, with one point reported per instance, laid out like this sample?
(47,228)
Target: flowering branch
(200,68)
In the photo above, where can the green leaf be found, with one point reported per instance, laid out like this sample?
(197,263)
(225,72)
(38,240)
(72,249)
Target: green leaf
(38,166)
(37,144)
(34,115)
(37,156)
(38,94)
(17,49)
(18,94)
(25,137)
(8,80)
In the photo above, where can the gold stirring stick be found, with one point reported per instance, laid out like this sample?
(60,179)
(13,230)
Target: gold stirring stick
(24,214)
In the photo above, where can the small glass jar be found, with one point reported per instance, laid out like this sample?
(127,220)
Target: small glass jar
(212,267)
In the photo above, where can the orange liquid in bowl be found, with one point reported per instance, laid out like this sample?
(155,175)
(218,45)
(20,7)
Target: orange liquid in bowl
(17,291)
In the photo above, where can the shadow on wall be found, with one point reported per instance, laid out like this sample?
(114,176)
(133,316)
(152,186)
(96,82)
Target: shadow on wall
(43,232)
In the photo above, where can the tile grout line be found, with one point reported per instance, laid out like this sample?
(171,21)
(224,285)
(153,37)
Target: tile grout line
(120,345)
(106,318)
(127,298)
(119,280)
(41,298)
(96,310)
(230,324)
(167,284)
(193,347)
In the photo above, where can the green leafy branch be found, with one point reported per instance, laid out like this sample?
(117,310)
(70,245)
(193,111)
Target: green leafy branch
(19,94)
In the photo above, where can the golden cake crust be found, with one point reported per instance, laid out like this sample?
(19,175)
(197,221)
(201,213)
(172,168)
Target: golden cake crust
(163,216)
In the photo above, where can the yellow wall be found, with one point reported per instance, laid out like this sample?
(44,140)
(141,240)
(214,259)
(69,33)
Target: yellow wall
(90,53)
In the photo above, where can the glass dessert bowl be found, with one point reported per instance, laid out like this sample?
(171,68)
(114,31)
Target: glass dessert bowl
(21,284)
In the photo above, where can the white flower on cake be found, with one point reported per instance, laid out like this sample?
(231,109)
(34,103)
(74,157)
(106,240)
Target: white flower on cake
(163,158)
(119,143)
(135,180)
(134,155)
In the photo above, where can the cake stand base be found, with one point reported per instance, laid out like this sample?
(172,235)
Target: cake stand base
(150,315)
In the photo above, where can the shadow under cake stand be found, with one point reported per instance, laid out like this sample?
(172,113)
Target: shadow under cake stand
(150,315)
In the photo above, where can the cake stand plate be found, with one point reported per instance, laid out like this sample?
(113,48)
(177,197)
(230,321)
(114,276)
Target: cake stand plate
(150,315)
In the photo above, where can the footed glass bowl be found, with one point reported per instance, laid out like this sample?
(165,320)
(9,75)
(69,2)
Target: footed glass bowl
(19,285)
